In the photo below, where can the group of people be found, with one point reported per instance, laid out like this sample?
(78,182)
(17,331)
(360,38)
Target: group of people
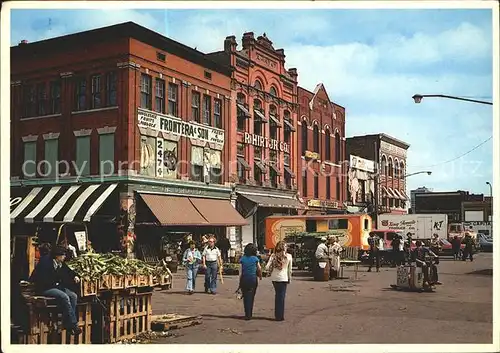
(330,248)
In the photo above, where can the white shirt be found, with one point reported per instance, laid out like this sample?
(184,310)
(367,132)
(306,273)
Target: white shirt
(321,251)
(283,275)
(72,249)
(211,254)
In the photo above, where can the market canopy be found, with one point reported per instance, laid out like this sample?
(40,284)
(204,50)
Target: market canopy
(56,204)
(271,201)
(192,211)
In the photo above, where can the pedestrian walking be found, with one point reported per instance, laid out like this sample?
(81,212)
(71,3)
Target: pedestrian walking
(224,246)
(335,250)
(396,255)
(280,267)
(250,270)
(469,247)
(211,259)
(374,255)
(191,260)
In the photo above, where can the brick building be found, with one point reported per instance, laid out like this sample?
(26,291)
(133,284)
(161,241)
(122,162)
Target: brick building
(137,123)
(264,115)
(389,155)
(321,142)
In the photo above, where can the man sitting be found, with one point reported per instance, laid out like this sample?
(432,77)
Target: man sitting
(421,256)
(52,278)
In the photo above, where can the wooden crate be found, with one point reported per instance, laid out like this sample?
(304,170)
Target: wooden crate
(105,283)
(117,282)
(88,288)
(129,315)
(46,324)
(173,322)
(130,281)
(155,280)
(144,280)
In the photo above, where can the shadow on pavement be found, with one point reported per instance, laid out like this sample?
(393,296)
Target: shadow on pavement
(484,272)
(236,317)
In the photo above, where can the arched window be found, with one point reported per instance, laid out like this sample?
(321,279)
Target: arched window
(272,110)
(257,120)
(304,136)
(273,91)
(241,98)
(383,165)
(390,168)
(337,147)
(402,172)
(257,104)
(396,168)
(258,85)
(316,138)
(328,153)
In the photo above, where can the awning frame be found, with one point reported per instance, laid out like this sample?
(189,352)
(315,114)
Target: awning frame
(289,126)
(275,168)
(274,121)
(244,163)
(289,171)
(261,166)
(258,114)
(246,112)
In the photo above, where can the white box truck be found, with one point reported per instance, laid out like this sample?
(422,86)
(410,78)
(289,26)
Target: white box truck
(421,226)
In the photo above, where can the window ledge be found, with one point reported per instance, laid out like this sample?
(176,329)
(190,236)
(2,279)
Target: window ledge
(332,164)
(93,110)
(41,117)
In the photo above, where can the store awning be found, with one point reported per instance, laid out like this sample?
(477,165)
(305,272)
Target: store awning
(398,194)
(405,197)
(260,116)
(244,163)
(218,212)
(243,109)
(275,120)
(391,193)
(61,203)
(271,201)
(289,171)
(288,125)
(174,210)
(261,166)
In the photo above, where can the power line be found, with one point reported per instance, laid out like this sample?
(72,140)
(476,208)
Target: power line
(454,159)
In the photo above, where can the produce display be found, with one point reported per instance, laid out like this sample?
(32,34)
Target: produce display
(92,266)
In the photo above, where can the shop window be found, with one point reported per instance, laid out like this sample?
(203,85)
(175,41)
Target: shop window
(96,91)
(51,158)
(197,156)
(107,154)
(160,95)
(82,163)
(316,186)
(207,110)
(29,98)
(172,99)
(81,94)
(304,137)
(146,91)
(337,148)
(29,164)
(195,106)
(218,113)
(328,152)
(316,138)
(328,191)
(339,223)
(55,97)
(111,88)
(41,89)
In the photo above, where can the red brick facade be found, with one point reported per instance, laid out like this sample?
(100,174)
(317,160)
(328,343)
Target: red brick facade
(321,147)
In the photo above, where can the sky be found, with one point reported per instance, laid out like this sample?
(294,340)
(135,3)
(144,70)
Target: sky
(371,61)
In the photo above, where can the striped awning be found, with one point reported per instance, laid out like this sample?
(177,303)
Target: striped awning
(62,203)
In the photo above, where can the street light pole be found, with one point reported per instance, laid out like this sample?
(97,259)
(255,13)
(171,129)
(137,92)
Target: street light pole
(418,98)
(421,172)
(491,203)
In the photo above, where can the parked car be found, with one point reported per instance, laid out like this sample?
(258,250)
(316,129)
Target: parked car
(485,242)
(447,248)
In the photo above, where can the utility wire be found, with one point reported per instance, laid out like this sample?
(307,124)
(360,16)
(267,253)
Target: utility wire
(458,157)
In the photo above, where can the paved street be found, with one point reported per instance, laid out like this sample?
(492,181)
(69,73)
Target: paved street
(366,311)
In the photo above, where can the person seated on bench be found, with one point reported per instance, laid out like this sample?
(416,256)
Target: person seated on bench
(421,256)
(52,278)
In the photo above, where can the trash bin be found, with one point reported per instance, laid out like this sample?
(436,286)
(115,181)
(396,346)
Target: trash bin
(322,270)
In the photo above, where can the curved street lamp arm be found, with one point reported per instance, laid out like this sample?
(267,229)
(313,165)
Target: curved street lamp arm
(418,98)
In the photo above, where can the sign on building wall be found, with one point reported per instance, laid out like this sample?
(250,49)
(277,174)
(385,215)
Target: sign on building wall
(158,157)
(176,126)
(261,141)
(392,149)
(474,216)
(362,164)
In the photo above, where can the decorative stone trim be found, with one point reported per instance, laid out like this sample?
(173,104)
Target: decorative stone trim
(67,74)
(170,136)
(93,110)
(106,130)
(227,98)
(30,138)
(207,91)
(128,65)
(147,131)
(173,79)
(83,132)
(51,136)
(41,117)
(198,143)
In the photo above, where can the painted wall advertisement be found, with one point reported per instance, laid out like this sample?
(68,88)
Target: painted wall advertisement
(158,157)
(176,126)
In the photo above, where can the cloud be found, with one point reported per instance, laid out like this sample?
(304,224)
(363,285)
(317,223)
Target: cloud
(371,62)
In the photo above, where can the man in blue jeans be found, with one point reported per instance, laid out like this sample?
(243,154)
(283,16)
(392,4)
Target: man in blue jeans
(52,278)
(211,260)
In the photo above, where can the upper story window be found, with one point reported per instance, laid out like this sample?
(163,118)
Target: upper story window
(41,89)
(111,85)
(172,98)
(288,126)
(274,119)
(55,97)
(159,95)
(304,136)
(337,148)
(29,97)
(96,91)
(242,111)
(146,91)
(401,169)
(328,152)
(396,168)
(390,167)
(257,117)
(258,85)
(316,138)
(81,94)
(383,165)
(207,109)
(273,91)
(218,113)
(195,106)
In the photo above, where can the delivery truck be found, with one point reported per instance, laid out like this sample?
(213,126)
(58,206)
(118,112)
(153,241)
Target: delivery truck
(420,226)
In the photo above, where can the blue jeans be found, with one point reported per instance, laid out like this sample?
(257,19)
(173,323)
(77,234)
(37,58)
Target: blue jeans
(248,289)
(66,300)
(191,272)
(211,276)
(279,300)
